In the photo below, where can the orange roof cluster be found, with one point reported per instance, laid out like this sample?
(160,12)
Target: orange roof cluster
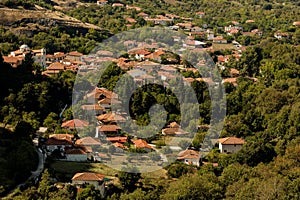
(88,176)
(231,140)
(141,144)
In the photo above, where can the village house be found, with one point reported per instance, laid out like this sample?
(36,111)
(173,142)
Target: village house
(189,157)
(117,5)
(74,55)
(230,27)
(148,66)
(144,15)
(66,136)
(102,2)
(173,129)
(107,102)
(75,124)
(297,23)
(281,35)
(108,130)
(39,55)
(200,14)
(159,20)
(234,72)
(249,21)
(95,108)
(142,144)
(76,154)
(57,144)
(79,179)
(119,147)
(130,20)
(133,7)
(116,139)
(98,94)
(13,61)
(55,68)
(111,118)
(219,40)
(233,81)
(230,144)
(89,142)
(139,54)
(56,57)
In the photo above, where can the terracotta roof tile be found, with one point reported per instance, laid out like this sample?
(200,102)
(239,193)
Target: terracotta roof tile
(109,128)
(88,176)
(75,123)
(111,117)
(117,139)
(231,140)
(62,136)
(88,141)
(75,151)
(188,154)
(141,144)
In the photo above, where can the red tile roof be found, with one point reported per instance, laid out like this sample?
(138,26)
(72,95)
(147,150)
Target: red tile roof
(75,53)
(109,128)
(75,123)
(296,23)
(231,140)
(56,66)
(117,144)
(173,131)
(88,176)
(62,136)
(12,60)
(141,144)
(230,80)
(188,154)
(88,141)
(111,117)
(75,151)
(174,125)
(140,52)
(117,139)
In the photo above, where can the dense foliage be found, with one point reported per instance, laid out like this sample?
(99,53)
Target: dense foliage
(265,112)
